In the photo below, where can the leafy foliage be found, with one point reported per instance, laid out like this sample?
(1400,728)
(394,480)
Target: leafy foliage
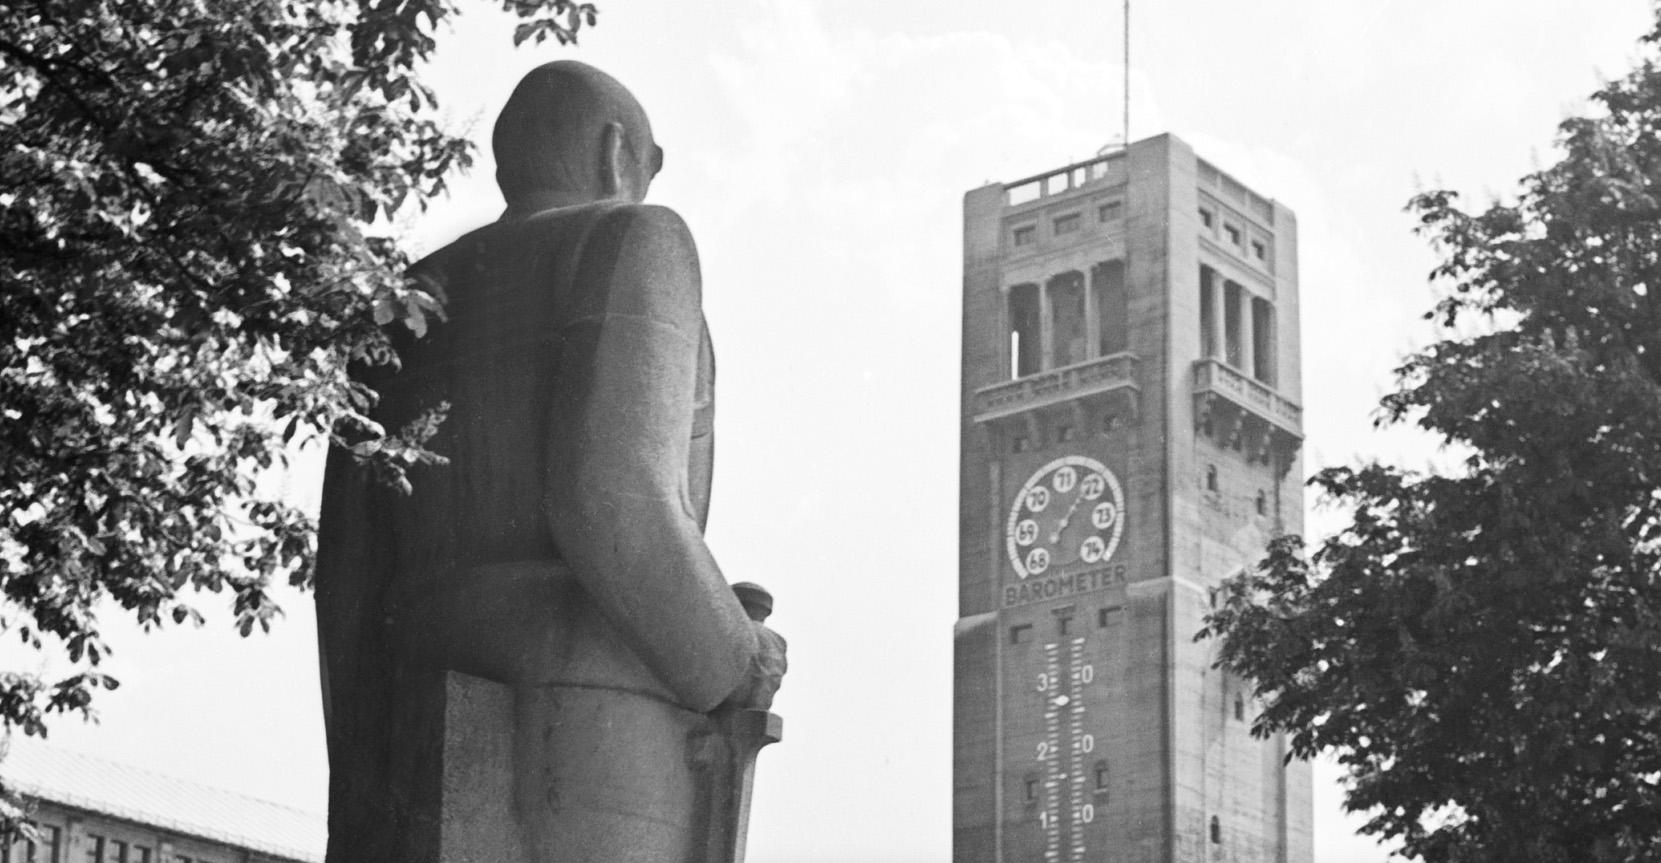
(194,244)
(1483,650)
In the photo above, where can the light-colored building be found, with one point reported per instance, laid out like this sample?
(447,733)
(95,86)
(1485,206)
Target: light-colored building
(1130,436)
(93,811)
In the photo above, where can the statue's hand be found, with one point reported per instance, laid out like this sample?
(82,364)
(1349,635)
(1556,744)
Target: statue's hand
(767,667)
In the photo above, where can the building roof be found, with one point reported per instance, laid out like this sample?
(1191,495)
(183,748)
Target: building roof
(134,794)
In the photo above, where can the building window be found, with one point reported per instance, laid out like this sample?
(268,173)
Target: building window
(1025,235)
(1239,707)
(1062,624)
(1111,210)
(1107,282)
(1233,299)
(1233,233)
(1262,503)
(1025,347)
(1216,831)
(1063,433)
(1068,322)
(1101,775)
(1111,422)
(1018,444)
(1259,251)
(1109,616)
(1031,789)
(1207,219)
(1210,477)
(1020,632)
(28,851)
(1263,341)
(1067,224)
(1208,312)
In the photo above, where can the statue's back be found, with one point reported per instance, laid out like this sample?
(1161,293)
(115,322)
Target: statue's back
(383,557)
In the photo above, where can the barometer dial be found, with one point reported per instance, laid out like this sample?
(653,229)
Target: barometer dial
(1069,511)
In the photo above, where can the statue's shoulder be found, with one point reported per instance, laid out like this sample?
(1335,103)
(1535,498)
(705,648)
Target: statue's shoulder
(643,229)
(641,247)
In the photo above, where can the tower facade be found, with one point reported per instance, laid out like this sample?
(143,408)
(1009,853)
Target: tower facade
(1130,437)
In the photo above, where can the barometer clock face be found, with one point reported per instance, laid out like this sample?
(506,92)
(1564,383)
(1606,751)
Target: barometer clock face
(1070,511)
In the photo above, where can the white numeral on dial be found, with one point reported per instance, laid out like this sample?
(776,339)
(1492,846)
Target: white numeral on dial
(1026,532)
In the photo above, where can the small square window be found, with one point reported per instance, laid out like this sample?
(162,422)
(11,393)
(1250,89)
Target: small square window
(1062,624)
(1020,632)
(1207,219)
(1019,444)
(1110,211)
(1063,433)
(1110,616)
(1067,224)
(1259,251)
(1032,790)
(1233,233)
(1025,235)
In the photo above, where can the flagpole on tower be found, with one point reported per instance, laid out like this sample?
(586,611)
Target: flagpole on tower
(1127,75)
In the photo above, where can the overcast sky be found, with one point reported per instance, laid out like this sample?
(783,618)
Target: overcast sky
(819,152)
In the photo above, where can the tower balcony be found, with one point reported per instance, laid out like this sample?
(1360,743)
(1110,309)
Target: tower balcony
(1092,380)
(1235,407)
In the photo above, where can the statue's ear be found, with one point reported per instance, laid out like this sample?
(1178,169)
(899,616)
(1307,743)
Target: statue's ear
(613,165)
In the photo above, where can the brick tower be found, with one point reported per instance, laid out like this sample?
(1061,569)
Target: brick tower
(1130,436)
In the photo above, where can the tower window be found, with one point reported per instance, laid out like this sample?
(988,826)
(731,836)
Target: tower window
(1067,319)
(1233,234)
(1239,707)
(1262,503)
(1207,219)
(1263,341)
(1259,251)
(1208,312)
(1233,298)
(1026,235)
(1101,775)
(1216,831)
(1067,224)
(1210,477)
(1063,433)
(1032,790)
(1019,444)
(1107,282)
(1020,632)
(1025,346)
(1110,616)
(1110,211)
(1062,624)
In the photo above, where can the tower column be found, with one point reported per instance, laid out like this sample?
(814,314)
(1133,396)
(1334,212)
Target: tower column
(1046,326)
(1213,288)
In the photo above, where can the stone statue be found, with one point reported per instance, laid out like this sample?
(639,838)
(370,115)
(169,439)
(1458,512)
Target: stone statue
(560,553)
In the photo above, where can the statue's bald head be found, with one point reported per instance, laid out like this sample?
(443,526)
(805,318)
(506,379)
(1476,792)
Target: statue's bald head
(560,127)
